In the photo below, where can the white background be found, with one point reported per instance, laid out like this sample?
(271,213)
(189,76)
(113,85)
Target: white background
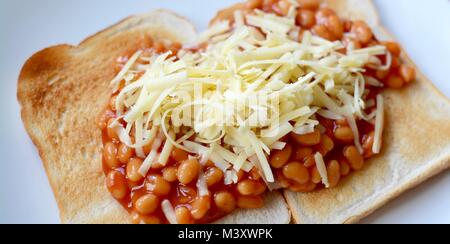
(26,26)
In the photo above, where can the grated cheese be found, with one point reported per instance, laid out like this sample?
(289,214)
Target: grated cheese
(322,169)
(169,212)
(233,102)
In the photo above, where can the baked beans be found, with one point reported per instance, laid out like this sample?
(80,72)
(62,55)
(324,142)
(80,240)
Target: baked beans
(279,158)
(133,170)
(199,207)
(117,184)
(362,32)
(225,201)
(110,155)
(306,18)
(407,73)
(124,153)
(354,158)
(334,173)
(309,4)
(213,176)
(294,166)
(343,134)
(326,145)
(310,139)
(147,204)
(297,172)
(188,171)
(157,185)
(183,215)
(170,174)
(250,202)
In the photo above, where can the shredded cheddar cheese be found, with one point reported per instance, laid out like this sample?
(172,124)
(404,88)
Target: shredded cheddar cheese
(234,101)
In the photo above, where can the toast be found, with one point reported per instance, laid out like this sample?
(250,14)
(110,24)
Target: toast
(413,151)
(62,89)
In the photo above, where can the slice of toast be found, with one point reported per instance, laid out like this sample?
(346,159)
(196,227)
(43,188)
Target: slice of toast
(62,89)
(416,144)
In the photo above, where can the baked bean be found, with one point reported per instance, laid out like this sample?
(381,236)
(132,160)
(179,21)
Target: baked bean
(157,185)
(334,173)
(150,220)
(185,194)
(200,207)
(147,148)
(283,7)
(133,170)
(381,74)
(322,31)
(103,118)
(268,5)
(225,201)
(111,132)
(297,172)
(110,155)
(260,188)
(252,4)
(213,176)
(251,187)
(326,145)
(240,175)
(347,25)
(322,15)
(124,153)
(188,171)
(393,48)
(117,184)
(307,187)
(348,40)
(343,134)
(147,204)
(335,26)
(174,48)
(250,202)
(362,31)
(310,139)
(302,152)
(159,47)
(309,161)
(280,157)
(341,122)
(246,187)
(395,81)
(170,174)
(395,63)
(306,18)
(407,73)
(157,166)
(345,168)
(179,155)
(315,175)
(135,218)
(368,144)
(210,163)
(254,174)
(309,4)
(183,215)
(354,158)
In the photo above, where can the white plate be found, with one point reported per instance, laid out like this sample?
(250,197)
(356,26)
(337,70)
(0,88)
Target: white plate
(423,27)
